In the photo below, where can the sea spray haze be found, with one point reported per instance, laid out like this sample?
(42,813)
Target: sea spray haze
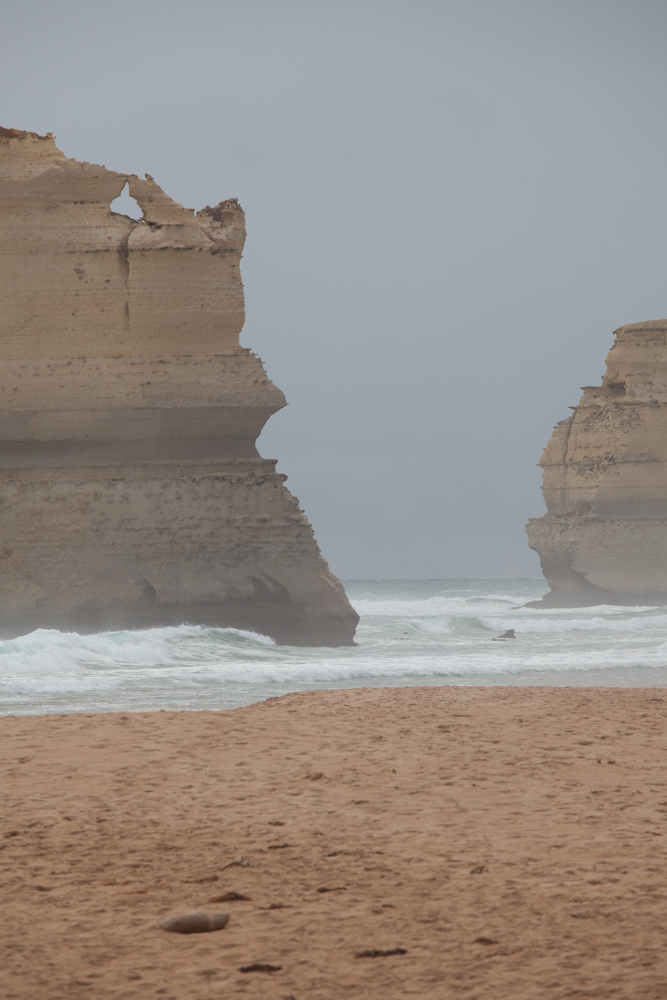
(411,632)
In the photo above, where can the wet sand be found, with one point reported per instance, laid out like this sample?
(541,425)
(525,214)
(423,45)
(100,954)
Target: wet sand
(511,840)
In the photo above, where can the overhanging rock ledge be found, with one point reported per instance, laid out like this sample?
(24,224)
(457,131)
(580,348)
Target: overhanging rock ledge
(131,490)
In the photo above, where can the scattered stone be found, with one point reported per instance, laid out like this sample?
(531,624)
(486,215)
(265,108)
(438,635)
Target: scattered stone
(381,952)
(195,923)
(485,940)
(260,967)
(230,897)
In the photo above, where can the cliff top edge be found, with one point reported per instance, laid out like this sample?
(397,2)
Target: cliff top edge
(649,324)
(7,134)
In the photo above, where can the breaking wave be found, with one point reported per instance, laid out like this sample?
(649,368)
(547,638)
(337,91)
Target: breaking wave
(411,632)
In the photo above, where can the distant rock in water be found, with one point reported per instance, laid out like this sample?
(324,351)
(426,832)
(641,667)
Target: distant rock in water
(604,538)
(131,491)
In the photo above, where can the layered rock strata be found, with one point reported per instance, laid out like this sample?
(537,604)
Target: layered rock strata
(604,538)
(131,490)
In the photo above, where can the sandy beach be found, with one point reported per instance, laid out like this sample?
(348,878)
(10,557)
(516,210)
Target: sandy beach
(510,840)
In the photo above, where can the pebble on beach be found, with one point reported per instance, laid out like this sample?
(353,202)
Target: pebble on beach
(195,923)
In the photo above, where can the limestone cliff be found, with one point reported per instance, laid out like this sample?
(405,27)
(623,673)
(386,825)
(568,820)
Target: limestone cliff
(604,538)
(131,491)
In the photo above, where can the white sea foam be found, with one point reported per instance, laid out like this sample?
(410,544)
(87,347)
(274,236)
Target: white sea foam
(51,651)
(563,626)
(425,632)
(435,625)
(429,606)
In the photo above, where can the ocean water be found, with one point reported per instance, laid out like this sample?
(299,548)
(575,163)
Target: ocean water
(411,632)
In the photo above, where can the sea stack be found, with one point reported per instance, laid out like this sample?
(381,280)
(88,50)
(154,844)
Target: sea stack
(131,490)
(603,539)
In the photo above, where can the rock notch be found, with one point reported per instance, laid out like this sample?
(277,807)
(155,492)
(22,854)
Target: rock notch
(604,537)
(131,490)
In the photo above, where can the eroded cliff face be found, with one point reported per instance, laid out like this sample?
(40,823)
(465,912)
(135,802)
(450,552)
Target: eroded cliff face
(131,490)
(604,538)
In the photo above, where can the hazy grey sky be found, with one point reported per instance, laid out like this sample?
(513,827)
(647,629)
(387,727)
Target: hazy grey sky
(450,206)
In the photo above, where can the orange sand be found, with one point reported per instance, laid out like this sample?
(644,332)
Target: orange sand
(511,839)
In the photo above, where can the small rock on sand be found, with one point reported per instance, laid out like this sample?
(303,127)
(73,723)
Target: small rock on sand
(195,923)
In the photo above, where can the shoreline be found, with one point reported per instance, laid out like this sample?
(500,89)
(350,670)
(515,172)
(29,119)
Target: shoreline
(510,839)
